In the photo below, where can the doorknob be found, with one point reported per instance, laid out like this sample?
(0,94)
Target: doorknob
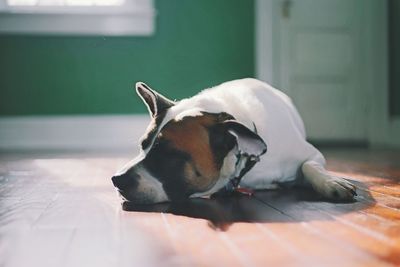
(286,8)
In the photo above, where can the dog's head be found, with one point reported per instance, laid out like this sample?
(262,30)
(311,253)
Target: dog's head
(183,154)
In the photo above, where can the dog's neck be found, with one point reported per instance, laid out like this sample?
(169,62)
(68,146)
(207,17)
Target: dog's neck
(243,165)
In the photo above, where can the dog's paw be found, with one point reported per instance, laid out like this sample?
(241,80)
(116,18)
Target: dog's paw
(336,188)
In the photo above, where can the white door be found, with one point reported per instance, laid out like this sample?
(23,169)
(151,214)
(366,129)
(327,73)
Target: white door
(318,47)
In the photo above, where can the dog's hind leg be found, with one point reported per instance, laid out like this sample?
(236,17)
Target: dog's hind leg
(331,187)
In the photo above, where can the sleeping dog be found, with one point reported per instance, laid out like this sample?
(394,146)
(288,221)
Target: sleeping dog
(242,133)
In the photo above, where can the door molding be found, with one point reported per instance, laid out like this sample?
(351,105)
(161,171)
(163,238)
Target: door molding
(381,129)
(264,29)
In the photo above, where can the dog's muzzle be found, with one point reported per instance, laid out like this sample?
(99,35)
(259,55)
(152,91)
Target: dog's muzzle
(122,182)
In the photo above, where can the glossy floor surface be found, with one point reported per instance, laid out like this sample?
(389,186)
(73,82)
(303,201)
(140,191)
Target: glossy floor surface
(62,210)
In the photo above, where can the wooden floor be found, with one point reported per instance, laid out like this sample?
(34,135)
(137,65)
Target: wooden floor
(61,210)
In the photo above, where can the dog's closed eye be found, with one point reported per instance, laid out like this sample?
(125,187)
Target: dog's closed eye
(195,178)
(191,171)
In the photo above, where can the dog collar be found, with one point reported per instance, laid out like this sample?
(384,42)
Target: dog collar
(243,165)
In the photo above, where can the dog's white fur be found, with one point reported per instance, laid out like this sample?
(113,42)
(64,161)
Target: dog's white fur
(253,102)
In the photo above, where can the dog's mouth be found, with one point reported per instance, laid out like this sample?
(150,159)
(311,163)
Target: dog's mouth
(137,198)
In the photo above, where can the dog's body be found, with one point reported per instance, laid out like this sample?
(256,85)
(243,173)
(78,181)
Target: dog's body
(277,121)
(245,114)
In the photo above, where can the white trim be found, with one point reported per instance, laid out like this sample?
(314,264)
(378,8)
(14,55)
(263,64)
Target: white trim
(264,40)
(267,41)
(112,132)
(110,25)
(136,18)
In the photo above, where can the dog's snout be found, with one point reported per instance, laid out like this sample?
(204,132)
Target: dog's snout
(117,180)
(125,180)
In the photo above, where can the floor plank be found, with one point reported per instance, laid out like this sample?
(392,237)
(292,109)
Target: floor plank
(61,210)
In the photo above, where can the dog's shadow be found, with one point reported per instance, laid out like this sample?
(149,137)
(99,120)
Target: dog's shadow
(283,205)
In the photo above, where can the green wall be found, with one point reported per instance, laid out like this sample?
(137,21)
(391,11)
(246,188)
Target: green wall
(197,44)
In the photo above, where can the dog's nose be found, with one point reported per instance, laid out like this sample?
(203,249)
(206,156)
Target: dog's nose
(119,181)
(126,180)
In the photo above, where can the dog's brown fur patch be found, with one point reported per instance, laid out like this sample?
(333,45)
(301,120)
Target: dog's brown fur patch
(190,135)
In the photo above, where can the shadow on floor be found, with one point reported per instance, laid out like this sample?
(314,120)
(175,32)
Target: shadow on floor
(283,205)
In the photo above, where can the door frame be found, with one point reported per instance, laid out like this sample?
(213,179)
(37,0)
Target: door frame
(382,130)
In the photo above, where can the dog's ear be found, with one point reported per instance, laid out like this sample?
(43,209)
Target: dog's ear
(155,102)
(228,133)
(248,141)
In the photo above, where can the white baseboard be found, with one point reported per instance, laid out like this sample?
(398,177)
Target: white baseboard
(111,132)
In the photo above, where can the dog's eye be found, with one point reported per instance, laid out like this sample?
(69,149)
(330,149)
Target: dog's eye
(191,171)
(197,172)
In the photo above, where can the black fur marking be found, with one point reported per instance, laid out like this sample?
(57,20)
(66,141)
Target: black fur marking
(146,142)
(255,128)
(221,143)
(221,117)
(335,194)
(166,164)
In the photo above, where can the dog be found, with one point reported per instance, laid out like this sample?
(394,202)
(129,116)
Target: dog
(240,134)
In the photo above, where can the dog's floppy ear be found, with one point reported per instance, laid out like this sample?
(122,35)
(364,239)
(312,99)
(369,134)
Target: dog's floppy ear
(248,142)
(155,102)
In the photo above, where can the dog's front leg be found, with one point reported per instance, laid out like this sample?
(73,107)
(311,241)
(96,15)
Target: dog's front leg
(334,188)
